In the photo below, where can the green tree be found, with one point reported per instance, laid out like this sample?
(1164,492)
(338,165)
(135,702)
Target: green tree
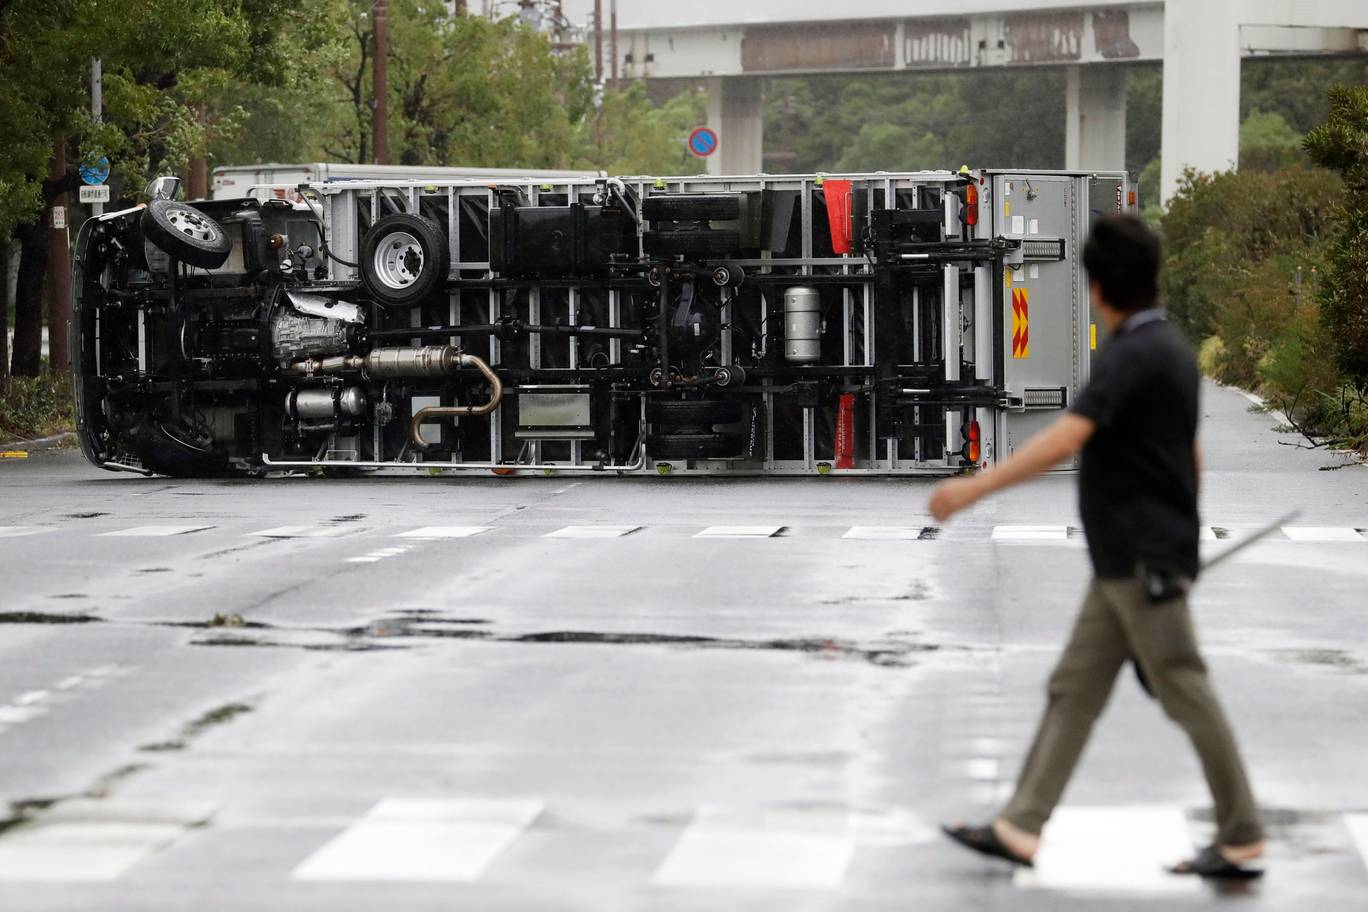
(627,134)
(1341,144)
(1268,143)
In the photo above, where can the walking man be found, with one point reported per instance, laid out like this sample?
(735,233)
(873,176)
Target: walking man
(1136,424)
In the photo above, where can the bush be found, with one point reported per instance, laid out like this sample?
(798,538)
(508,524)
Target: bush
(35,406)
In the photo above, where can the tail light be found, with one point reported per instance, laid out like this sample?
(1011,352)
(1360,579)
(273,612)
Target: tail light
(975,442)
(969,214)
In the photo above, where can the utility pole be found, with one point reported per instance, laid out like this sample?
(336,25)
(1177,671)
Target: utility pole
(598,42)
(58,268)
(197,181)
(96,110)
(612,41)
(380,83)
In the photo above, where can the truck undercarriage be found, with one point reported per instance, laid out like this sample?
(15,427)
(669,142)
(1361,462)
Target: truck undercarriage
(853,324)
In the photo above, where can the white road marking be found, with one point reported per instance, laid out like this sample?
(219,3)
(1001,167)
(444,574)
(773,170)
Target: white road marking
(153,531)
(1112,850)
(884,533)
(984,769)
(1031,533)
(1257,400)
(593,532)
(444,532)
(1323,534)
(1208,534)
(779,848)
(68,683)
(303,532)
(32,696)
(1358,830)
(87,840)
(14,715)
(19,531)
(362,560)
(420,839)
(739,532)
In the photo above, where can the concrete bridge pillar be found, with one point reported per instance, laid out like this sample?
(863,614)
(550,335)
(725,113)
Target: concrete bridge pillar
(1201,89)
(1095,129)
(735,111)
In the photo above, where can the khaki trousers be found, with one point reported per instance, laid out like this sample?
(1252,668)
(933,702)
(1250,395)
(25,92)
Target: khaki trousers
(1117,623)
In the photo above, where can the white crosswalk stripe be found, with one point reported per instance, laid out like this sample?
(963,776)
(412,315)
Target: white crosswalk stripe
(20,531)
(1357,825)
(89,840)
(593,532)
(1323,534)
(1030,533)
(740,532)
(153,531)
(884,533)
(1112,850)
(444,532)
(419,839)
(761,847)
(330,531)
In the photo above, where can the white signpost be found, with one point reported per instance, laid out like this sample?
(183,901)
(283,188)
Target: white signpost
(99,193)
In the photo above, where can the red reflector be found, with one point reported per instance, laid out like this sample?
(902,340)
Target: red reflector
(839,214)
(1130,197)
(970,204)
(975,442)
(845,432)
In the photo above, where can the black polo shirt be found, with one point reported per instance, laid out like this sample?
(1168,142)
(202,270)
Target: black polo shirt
(1138,484)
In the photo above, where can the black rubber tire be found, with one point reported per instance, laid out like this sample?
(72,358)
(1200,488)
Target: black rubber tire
(697,243)
(162,451)
(184,233)
(692,412)
(431,276)
(689,208)
(695,446)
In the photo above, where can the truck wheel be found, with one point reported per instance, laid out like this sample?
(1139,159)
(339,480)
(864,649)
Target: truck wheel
(680,208)
(186,234)
(692,413)
(168,450)
(694,446)
(404,258)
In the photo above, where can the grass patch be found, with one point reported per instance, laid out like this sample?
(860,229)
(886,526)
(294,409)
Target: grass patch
(35,406)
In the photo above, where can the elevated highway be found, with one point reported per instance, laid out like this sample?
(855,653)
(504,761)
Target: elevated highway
(735,46)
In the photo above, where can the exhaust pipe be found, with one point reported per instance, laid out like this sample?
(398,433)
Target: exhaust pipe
(454,411)
(428,361)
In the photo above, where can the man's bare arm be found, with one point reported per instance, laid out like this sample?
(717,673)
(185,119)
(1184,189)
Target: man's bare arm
(1044,451)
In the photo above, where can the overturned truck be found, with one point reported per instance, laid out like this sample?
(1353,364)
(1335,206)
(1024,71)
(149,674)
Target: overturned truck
(850,324)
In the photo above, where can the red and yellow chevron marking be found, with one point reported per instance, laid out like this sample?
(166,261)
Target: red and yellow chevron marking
(1021,324)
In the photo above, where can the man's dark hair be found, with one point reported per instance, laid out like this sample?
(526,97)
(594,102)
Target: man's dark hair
(1122,255)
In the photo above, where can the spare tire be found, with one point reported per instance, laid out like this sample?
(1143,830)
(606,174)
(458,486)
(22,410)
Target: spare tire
(404,259)
(184,233)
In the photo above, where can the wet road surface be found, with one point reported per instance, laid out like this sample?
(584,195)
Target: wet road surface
(561,693)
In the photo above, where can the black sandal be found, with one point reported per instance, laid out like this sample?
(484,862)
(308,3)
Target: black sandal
(984,841)
(1210,863)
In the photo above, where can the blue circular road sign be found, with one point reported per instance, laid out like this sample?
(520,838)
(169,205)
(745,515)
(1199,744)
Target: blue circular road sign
(703,142)
(95,172)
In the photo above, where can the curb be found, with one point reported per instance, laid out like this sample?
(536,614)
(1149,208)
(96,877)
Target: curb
(39,444)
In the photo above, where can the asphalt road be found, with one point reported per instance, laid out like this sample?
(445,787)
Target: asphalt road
(495,713)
